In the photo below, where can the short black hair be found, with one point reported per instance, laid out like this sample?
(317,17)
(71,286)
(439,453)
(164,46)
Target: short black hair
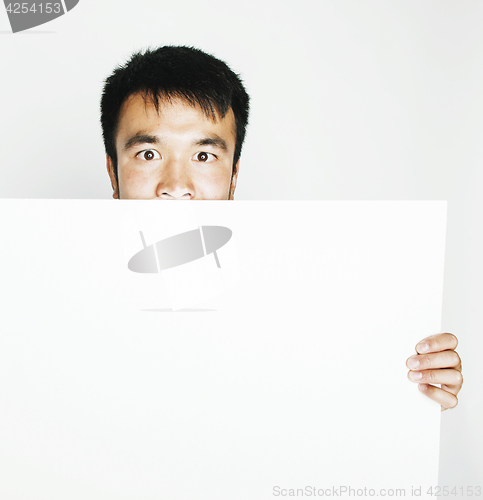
(175,72)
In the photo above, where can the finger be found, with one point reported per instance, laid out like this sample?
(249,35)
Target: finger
(435,343)
(444,359)
(454,389)
(449,377)
(444,398)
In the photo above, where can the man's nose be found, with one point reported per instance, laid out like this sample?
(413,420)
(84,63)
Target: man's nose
(175,182)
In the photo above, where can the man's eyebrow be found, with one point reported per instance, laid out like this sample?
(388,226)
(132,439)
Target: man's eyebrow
(141,139)
(215,141)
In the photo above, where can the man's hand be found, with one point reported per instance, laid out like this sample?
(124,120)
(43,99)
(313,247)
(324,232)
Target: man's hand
(436,362)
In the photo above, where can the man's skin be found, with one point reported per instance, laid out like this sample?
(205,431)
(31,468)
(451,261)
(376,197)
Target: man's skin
(181,154)
(178,154)
(436,362)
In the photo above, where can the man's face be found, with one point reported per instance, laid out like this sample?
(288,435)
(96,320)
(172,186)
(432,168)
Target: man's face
(177,153)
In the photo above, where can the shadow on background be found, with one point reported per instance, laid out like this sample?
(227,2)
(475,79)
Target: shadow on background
(179,310)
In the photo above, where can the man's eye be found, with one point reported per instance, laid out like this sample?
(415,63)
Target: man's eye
(206,157)
(148,154)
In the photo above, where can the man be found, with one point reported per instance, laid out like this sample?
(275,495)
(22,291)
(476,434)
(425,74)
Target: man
(174,122)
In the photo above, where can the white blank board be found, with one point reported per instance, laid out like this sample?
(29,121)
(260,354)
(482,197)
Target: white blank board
(292,377)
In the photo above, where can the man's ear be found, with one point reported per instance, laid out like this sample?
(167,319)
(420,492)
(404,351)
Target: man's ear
(110,171)
(233,181)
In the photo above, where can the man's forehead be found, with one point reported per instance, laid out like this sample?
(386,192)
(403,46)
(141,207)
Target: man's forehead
(140,110)
(162,104)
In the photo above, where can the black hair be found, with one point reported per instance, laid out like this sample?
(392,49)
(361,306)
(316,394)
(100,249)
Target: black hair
(175,72)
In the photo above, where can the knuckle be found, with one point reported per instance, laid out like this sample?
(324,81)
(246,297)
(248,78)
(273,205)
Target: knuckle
(456,358)
(455,339)
(459,376)
(453,403)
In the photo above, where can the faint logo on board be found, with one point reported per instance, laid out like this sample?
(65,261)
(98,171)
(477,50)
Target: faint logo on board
(180,249)
(26,15)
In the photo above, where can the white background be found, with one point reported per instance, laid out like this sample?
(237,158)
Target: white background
(350,100)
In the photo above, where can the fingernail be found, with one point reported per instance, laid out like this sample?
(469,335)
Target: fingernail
(422,387)
(423,347)
(416,375)
(413,363)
